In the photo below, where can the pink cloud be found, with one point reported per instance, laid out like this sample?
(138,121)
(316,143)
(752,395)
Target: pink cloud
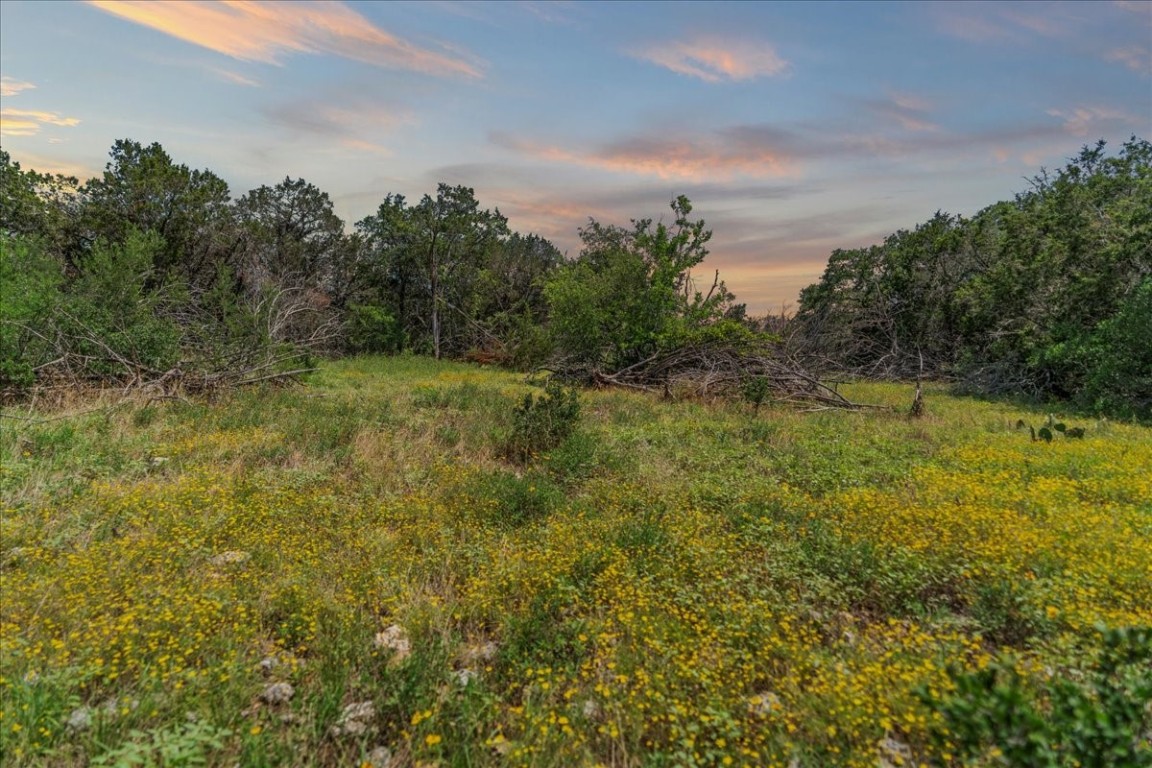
(907,110)
(11,87)
(1082,121)
(713,60)
(712,157)
(235,78)
(267,31)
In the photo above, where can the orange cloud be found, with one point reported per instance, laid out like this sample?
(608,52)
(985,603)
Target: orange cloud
(27,122)
(713,60)
(360,145)
(10,86)
(706,158)
(267,31)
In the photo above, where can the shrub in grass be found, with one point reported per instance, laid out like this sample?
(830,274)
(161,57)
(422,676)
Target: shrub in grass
(1098,717)
(541,423)
(574,459)
(503,498)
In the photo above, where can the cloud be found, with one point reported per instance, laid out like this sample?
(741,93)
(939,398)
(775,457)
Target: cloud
(765,151)
(910,112)
(995,22)
(27,122)
(266,32)
(1141,7)
(11,87)
(557,12)
(726,154)
(336,121)
(235,77)
(1135,57)
(713,60)
(56,165)
(1082,121)
(360,145)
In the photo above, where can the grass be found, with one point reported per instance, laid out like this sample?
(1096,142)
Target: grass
(675,584)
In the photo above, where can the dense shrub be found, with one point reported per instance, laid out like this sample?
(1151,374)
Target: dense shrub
(541,423)
(31,292)
(1094,719)
(371,329)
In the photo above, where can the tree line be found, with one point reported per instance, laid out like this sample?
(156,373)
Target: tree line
(1048,294)
(153,275)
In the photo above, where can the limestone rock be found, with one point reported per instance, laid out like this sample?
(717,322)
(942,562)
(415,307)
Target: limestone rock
(394,639)
(277,693)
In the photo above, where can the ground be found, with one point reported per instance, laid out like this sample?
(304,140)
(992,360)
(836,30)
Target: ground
(352,572)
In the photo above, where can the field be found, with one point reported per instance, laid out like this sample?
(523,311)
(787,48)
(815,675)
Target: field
(352,573)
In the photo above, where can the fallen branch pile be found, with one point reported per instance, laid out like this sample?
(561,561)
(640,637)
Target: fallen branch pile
(719,369)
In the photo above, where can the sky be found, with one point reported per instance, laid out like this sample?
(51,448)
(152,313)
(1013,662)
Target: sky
(794,128)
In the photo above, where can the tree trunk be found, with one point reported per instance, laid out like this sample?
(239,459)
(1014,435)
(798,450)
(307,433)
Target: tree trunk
(435,303)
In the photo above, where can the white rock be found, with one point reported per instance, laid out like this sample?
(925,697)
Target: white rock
(380,757)
(355,720)
(394,639)
(464,676)
(277,693)
(231,557)
(893,753)
(80,719)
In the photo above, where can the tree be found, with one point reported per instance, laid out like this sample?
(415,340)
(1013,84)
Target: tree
(508,313)
(430,255)
(291,236)
(142,189)
(1024,297)
(36,205)
(630,292)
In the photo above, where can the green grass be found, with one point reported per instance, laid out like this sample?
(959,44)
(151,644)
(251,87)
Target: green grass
(675,583)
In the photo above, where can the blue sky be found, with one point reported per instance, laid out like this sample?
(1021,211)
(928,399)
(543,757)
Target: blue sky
(795,128)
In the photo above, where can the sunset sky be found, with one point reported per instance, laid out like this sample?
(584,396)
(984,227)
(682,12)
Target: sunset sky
(795,128)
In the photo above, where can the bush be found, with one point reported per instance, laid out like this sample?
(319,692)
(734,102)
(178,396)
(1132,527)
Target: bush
(371,329)
(540,424)
(116,318)
(1096,718)
(31,283)
(1120,377)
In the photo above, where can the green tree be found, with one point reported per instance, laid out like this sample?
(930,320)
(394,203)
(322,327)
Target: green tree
(142,189)
(630,293)
(1019,298)
(31,281)
(430,256)
(291,235)
(36,205)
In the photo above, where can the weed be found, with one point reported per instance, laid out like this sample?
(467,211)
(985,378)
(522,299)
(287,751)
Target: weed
(540,424)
